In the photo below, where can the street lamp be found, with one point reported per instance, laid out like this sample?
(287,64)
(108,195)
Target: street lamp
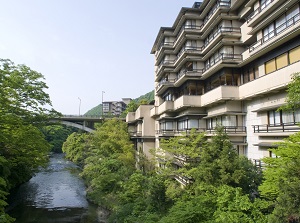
(79,104)
(102,102)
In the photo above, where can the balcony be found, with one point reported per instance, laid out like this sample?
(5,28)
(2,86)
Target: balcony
(290,26)
(187,29)
(187,50)
(187,101)
(163,64)
(135,133)
(185,74)
(227,58)
(231,130)
(209,17)
(268,83)
(280,128)
(130,117)
(260,9)
(215,36)
(167,106)
(163,46)
(220,93)
(163,85)
(154,111)
(183,180)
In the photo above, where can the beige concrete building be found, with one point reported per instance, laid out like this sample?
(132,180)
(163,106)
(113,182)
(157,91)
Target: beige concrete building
(225,62)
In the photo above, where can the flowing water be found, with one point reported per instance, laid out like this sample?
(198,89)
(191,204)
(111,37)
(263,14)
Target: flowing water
(55,194)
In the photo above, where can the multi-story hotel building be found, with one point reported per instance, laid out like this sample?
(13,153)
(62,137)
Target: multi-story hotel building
(115,108)
(226,62)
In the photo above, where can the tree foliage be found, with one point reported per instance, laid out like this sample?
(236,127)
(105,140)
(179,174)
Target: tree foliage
(281,182)
(23,107)
(293,94)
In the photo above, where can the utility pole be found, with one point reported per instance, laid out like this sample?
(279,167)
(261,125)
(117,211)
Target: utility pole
(102,102)
(79,104)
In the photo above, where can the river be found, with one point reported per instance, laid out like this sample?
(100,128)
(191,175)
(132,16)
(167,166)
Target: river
(55,194)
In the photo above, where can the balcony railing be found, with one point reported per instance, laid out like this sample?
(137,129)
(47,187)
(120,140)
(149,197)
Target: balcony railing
(291,22)
(229,129)
(221,30)
(164,83)
(178,131)
(221,57)
(167,43)
(221,3)
(188,49)
(259,10)
(183,179)
(284,127)
(135,133)
(193,72)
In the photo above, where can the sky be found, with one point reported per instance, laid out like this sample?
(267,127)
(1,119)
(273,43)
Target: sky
(85,47)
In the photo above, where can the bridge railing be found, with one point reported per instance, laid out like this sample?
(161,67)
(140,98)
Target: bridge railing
(83,116)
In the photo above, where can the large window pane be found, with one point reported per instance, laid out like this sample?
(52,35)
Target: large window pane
(287,117)
(280,24)
(297,116)
(271,118)
(270,66)
(229,120)
(277,118)
(281,61)
(294,55)
(193,123)
(169,125)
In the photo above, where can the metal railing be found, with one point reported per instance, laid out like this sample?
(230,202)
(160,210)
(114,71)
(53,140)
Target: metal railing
(258,10)
(230,129)
(283,127)
(220,30)
(223,56)
(193,72)
(165,82)
(227,129)
(219,4)
(188,49)
(292,21)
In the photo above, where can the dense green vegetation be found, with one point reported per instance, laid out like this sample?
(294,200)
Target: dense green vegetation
(56,135)
(23,110)
(221,179)
(221,186)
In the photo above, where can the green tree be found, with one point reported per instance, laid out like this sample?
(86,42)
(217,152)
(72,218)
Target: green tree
(221,165)
(56,135)
(110,162)
(281,182)
(293,94)
(24,106)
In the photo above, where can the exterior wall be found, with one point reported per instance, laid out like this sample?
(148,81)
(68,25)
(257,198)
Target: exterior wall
(210,65)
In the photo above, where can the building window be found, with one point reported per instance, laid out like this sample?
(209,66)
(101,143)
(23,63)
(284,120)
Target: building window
(268,32)
(282,117)
(250,74)
(294,55)
(224,120)
(166,126)
(283,60)
(284,21)
(190,24)
(188,124)
(264,3)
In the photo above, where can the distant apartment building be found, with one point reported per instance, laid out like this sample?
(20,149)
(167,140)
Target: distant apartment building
(224,62)
(115,108)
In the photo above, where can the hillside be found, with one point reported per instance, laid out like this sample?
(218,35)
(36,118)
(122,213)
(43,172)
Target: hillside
(97,110)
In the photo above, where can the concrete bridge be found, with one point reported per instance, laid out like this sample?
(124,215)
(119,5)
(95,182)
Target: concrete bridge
(83,122)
